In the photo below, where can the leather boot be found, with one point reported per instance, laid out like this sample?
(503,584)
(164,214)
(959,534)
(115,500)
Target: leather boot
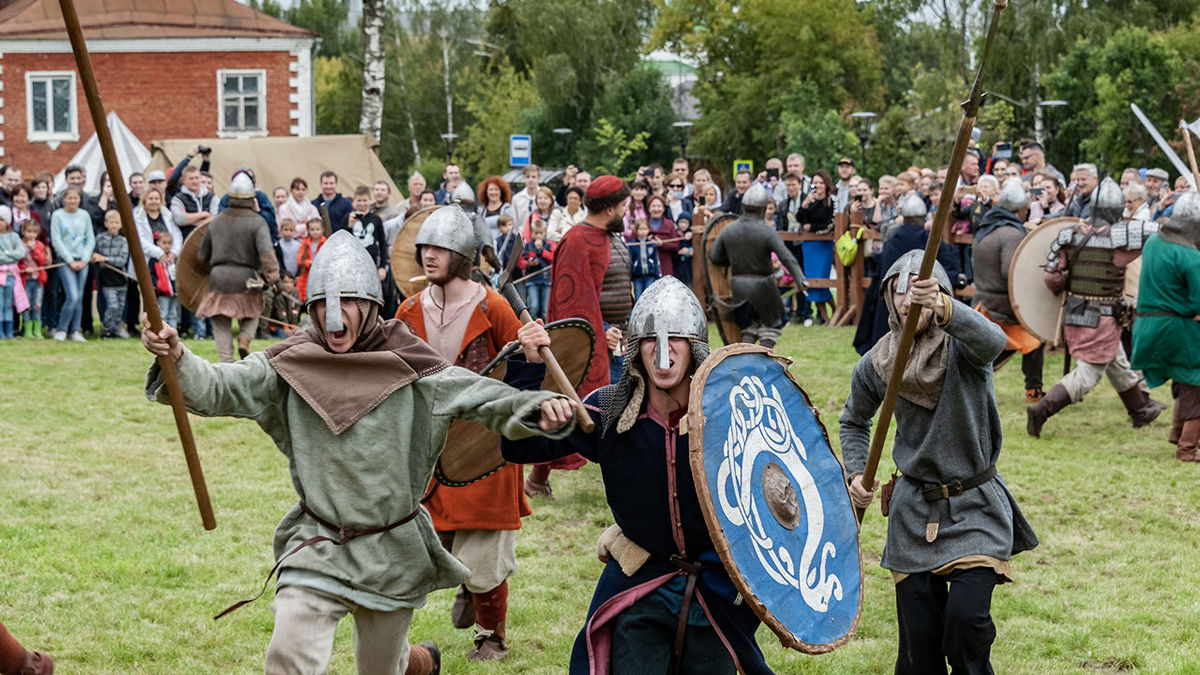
(243,346)
(424,659)
(489,647)
(1036,415)
(462,612)
(1189,437)
(1141,408)
(38,663)
(1176,427)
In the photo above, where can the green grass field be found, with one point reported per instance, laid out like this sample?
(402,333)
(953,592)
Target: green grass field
(104,563)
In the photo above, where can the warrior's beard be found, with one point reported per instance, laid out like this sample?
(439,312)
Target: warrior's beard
(615,224)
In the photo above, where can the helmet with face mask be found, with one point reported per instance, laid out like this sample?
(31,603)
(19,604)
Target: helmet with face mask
(241,186)
(910,264)
(755,199)
(342,269)
(1110,203)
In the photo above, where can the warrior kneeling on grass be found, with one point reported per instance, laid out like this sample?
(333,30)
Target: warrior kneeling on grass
(663,603)
(361,408)
(953,525)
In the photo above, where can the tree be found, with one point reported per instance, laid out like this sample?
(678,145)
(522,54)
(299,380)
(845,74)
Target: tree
(495,103)
(617,147)
(374,71)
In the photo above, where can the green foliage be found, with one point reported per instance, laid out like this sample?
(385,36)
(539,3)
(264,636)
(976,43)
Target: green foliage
(824,136)
(996,120)
(329,19)
(271,7)
(495,102)
(636,102)
(338,90)
(613,148)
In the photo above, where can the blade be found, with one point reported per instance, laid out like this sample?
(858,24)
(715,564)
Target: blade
(1194,126)
(1162,144)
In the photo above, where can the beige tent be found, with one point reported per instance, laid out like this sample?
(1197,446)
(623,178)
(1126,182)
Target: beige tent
(277,160)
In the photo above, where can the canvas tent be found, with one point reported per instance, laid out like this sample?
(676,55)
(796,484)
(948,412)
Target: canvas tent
(130,153)
(277,160)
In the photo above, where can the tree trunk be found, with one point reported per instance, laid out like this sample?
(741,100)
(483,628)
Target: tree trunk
(373,68)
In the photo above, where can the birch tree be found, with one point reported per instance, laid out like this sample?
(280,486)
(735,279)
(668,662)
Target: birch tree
(373,68)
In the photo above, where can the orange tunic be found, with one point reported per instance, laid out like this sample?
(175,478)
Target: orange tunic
(498,501)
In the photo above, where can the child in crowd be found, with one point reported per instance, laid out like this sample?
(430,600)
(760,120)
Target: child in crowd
(504,222)
(112,253)
(289,246)
(683,257)
(784,281)
(286,309)
(37,254)
(308,250)
(643,255)
(537,257)
(12,291)
(162,275)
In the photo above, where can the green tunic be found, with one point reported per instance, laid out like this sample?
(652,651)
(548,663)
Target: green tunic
(1166,337)
(372,474)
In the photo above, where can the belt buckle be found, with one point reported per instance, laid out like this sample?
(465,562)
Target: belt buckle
(952,489)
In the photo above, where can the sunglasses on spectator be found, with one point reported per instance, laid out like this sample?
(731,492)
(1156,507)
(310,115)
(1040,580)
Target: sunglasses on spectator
(675,185)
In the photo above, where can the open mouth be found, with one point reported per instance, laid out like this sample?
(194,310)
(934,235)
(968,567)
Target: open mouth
(338,335)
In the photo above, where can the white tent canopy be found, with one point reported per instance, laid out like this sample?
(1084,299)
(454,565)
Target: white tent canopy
(132,155)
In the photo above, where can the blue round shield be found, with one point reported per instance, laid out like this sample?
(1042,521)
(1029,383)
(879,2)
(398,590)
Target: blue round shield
(775,498)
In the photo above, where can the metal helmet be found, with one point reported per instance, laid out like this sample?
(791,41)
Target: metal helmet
(755,198)
(1110,202)
(462,194)
(342,269)
(1012,195)
(909,264)
(451,228)
(1186,214)
(241,186)
(912,206)
(667,309)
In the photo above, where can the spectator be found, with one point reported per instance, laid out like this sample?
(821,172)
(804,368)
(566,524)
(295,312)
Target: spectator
(816,217)
(96,206)
(523,201)
(41,204)
(1046,198)
(192,205)
(112,254)
(279,197)
(985,195)
(772,176)
(206,179)
(451,177)
(172,186)
(543,209)
(37,256)
(284,309)
(1033,159)
(1135,202)
(998,168)
(11,177)
(494,199)
(681,261)
(1084,179)
(863,201)
(583,179)
(158,179)
(504,245)
(289,246)
(841,191)
(537,257)
(416,188)
(137,187)
(428,200)
(19,212)
(741,183)
(367,228)
(1166,206)
(391,214)
(701,179)
(12,290)
(74,240)
(339,207)
(969,174)
(151,222)
(680,172)
(676,204)
(76,176)
(1130,175)
(889,213)
(644,261)
(569,216)
(707,202)
(308,250)
(1156,188)
(162,275)
(654,178)
(662,230)
(297,208)
(794,164)
(635,208)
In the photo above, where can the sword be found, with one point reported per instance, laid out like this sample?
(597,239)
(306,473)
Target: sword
(509,291)
(1162,144)
(941,218)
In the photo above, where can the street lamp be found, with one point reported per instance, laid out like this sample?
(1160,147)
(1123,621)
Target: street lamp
(684,128)
(448,139)
(449,136)
(1038,124)
(862,128)
(564,140)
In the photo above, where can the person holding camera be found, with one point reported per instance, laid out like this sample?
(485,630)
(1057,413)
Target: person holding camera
(816,217)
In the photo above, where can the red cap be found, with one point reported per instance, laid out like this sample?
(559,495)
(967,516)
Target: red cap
(603,186)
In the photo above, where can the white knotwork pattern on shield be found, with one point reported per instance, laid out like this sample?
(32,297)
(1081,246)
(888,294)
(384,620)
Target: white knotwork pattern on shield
(759,424)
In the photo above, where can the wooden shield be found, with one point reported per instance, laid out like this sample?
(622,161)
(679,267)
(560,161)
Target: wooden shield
(471,451)
(191,273)
(1039,310)
(404,254)
(774,498)
(716,281)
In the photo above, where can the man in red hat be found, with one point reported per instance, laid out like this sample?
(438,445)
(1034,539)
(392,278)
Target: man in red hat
(591,281)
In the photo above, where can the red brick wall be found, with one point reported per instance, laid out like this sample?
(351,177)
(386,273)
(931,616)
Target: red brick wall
(157,95)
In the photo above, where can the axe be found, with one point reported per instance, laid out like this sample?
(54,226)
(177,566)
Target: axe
(509,291)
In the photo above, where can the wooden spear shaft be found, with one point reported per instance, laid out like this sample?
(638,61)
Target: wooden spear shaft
(84,62)
(940,220)
(1187,141)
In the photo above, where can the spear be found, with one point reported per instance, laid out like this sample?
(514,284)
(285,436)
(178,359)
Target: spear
(941,218)
(84,62)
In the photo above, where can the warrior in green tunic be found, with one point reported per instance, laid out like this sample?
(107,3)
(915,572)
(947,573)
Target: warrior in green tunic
(361,408)
(1166,335)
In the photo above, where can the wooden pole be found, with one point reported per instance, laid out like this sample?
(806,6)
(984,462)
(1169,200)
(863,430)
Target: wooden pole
(941,218)
(88,78)
(1187,141)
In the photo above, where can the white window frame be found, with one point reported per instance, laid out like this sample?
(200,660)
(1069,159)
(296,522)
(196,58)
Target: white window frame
(50,136)
(222,132)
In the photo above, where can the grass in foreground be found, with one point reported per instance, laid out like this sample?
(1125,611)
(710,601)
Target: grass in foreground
(104,564)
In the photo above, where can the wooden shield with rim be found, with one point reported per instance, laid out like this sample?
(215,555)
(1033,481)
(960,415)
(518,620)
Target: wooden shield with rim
(1039,310)
(404,254)
(716,282)
(191,274)
(471,451)
(774,498)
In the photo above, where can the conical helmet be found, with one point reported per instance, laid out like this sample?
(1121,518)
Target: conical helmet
(451,228)
(667,309)
(1186,214)
(909,264)
(1110,203)
(1012,195)
(755,197)
(342,269)
(462,194)
(241,186)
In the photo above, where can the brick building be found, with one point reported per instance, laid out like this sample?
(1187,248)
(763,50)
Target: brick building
(168,68)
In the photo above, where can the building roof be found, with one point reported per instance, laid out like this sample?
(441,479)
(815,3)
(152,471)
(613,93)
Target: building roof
(131,19)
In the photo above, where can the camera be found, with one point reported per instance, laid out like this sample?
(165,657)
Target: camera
(1003,150)
(857,198)
(1035,192)
(204,150)
(772,173)
(648,173)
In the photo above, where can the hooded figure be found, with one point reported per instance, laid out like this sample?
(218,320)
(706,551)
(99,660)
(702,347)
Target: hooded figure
(360,407)
(237,247)
(745,247)
(1166,337)
(952,523)
(663,588)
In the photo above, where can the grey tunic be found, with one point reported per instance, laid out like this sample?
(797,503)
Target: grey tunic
(745,246)
(982,521)
(990,259)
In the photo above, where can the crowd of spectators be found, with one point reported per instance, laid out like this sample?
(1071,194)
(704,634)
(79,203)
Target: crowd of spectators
(61,253)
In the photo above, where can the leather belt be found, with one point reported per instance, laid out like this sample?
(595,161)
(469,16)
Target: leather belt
(344,536)
(692,569)
(934,493)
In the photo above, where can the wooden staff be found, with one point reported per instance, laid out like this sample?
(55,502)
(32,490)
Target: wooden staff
(941,218)
(88,78)
(1187,141)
